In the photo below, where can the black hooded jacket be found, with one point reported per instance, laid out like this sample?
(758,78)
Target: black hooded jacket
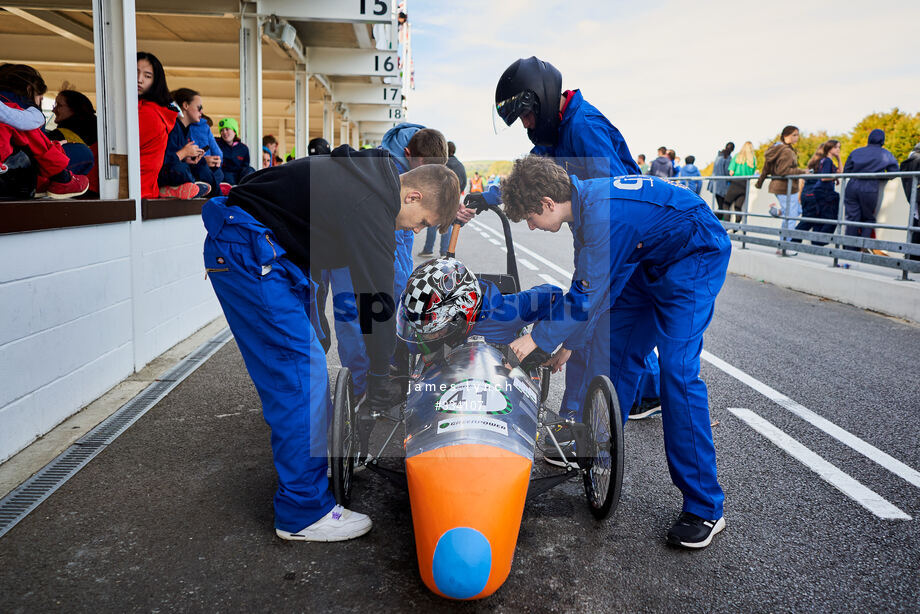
(334,211)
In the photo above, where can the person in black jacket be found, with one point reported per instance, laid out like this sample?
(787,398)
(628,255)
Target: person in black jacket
(912,163)
(264,239)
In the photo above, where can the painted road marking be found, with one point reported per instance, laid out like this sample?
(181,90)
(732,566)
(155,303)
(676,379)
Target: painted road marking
(530,253)
(527,263)
(890,463)
(843,482)
(550,279)
(845,437)
(494,242)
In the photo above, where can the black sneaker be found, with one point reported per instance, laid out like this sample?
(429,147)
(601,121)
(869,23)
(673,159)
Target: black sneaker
(691,531)
(424,254)
(645,409)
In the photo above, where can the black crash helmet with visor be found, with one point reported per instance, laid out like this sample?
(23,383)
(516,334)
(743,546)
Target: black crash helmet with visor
(530,85)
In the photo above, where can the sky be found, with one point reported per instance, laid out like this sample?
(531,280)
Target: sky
(686,75)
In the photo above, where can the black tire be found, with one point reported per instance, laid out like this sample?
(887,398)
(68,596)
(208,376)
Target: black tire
(604,463)
(343,448)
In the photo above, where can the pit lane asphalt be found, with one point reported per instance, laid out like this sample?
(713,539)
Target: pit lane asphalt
(176,514)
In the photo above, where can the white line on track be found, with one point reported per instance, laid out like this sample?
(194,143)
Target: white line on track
(843,482)
(527,263)
(890,463)
(550,280)
(493,241)
(521,248)
(845,437)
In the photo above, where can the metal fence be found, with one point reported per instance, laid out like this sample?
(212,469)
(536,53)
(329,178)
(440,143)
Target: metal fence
(838,245)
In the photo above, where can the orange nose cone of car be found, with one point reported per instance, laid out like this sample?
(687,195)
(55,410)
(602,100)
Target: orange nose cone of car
(467,501)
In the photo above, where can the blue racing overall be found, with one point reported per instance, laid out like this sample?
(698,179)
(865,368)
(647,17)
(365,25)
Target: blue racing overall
(680,253)
(269,305)
(589,147)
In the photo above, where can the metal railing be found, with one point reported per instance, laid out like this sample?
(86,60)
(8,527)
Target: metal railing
(838,245)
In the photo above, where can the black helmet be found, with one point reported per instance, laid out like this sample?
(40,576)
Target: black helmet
(317,146)
(531,85)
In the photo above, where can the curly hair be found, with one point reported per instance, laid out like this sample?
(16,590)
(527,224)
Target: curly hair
(533,177)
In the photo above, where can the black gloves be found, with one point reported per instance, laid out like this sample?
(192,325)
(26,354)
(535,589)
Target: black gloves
(383,392)
(534,360)
(476,201)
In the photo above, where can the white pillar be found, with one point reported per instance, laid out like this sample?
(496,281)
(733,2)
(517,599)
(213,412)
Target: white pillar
(343,132)
(302,110)
(328,115)
(250,77)
(115,53)
(115,50)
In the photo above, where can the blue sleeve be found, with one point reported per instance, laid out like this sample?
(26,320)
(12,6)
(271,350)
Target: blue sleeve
(173,145)
(402,262)
(892,163)
(604,157)
(503,316)
(606,249)
(493,196)
(215,149)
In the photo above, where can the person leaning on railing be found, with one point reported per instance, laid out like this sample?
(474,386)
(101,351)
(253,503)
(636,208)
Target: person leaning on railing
(861,197)
(819,200)
(912,163)
(782,159)
(744,164)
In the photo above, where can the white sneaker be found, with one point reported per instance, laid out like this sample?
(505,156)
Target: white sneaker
(338,525)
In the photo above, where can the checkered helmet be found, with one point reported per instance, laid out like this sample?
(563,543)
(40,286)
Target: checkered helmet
(440,304)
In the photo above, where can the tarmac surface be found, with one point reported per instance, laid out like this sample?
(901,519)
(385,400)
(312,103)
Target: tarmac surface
(176,515)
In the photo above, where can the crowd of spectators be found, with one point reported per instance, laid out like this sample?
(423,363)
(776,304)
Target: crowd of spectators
(813,199)
(179,154)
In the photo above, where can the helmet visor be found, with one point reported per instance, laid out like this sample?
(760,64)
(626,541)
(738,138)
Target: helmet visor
(507,111)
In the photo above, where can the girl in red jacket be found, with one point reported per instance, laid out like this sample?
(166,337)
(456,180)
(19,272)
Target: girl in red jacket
(155,118)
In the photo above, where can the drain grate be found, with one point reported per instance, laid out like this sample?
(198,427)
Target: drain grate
(21,501)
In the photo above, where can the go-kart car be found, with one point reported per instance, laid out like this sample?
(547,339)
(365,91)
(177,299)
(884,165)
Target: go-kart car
(470,423)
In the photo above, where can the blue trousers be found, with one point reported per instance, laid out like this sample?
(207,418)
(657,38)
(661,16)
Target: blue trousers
(81,158)
(268,302)
(352,353)
(860,201)
(577,380)
(234,177)
(671,312)
(431,235)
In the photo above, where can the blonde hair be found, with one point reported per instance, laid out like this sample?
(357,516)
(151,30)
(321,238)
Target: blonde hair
(746,155)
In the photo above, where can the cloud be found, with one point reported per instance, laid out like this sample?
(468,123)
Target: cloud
(688,75)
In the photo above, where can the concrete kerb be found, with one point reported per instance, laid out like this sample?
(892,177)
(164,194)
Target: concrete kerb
(871,291)
(27,462)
